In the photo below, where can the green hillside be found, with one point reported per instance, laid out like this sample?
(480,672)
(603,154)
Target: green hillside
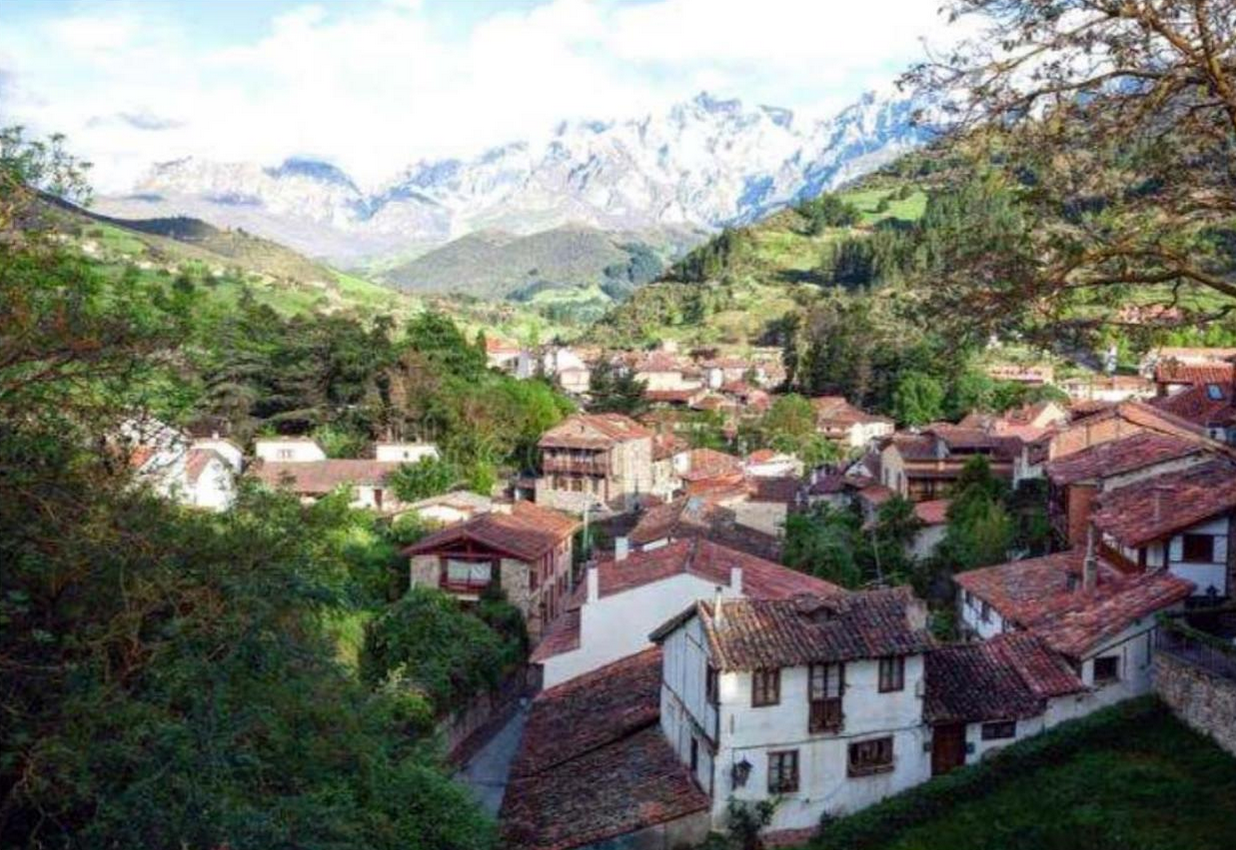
(230,263)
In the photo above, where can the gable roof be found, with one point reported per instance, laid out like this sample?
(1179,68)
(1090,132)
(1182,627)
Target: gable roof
(1046,595)
(1007,677)
(1207,405)
(527,532)
(836,411)
(593,431)
(1173,371)
(593,763)
(1116,457)
(1166,503)
(767,633)
(319,477)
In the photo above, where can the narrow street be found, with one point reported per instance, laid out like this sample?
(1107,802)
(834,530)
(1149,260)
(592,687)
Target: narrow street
(486,772)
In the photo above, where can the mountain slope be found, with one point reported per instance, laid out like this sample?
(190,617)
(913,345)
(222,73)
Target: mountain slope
(704,163)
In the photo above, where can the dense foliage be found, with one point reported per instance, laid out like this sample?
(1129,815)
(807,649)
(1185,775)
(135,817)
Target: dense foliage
(171,677)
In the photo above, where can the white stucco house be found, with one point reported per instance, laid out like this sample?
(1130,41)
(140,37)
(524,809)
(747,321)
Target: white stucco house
(623,599)
(288,449)
(198,473)
(404,452)
(815,701)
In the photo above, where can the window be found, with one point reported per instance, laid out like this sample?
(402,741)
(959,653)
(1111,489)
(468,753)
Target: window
(1198,548)
(283,454)
(695,755)
(1107,669)
(868,757)
(999,729)
(892,674)
(1214,392)
(985,613)
(712,685)
(765,687)
(969,599)
(826,684)
(783,772)
(468,573)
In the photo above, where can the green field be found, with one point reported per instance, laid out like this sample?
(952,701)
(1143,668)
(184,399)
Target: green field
(1132,778)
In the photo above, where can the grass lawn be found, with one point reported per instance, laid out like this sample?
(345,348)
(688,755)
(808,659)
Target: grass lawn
(1153,785)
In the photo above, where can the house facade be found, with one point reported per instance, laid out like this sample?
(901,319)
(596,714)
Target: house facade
(847,425)
(815,701)
(925,466)
(525,551)
(601,461)
(288,449)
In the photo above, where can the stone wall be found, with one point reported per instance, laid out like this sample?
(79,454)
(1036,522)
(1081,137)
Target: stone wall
(1203,700)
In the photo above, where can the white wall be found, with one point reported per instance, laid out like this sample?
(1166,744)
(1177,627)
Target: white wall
(405,452)
(750,734)
(971,612)
(288,451)
(226,448)
(615,626)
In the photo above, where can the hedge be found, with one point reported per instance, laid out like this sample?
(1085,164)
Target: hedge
(883,822)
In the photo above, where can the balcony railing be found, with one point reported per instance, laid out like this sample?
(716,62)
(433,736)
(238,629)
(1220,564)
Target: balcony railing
(578,466)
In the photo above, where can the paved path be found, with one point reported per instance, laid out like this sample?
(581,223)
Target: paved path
(486,772)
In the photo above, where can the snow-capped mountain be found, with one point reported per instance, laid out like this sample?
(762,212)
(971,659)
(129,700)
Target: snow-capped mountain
(704,163)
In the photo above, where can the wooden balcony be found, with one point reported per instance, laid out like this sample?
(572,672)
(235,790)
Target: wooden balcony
(598,465)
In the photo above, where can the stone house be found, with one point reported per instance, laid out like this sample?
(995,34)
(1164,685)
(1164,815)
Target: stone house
(849,426)
(599,461)
(526,552)
(925,466)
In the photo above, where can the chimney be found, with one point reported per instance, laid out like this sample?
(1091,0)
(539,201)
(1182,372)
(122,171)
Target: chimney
(736,580)
(622,548)
(594,583)
(1090,565)
(718,614)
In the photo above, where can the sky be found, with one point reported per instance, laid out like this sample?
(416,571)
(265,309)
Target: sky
(375,85)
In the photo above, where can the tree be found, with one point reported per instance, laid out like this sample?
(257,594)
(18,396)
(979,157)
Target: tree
(828,210)
(1113,123)
(918,399)
(429,476)
(823,543)
(615,391)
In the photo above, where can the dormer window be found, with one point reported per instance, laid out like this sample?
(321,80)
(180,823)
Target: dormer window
(1214,392)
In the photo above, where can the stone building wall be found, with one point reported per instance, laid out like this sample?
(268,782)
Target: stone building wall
(1203,700)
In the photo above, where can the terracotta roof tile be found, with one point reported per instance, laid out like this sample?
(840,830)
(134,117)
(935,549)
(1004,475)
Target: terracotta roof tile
(593,430)
(758,633)
(527,532)
(1207,405)
(1117,457)
(988,680)
(319,477)
(1175,372)
(932,512)
(561,636)
(1158,506)
(590,711)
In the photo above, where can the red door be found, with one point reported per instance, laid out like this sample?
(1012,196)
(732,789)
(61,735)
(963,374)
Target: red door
(948,747)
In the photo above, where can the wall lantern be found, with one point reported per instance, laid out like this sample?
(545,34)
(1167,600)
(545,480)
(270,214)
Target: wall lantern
(741,772)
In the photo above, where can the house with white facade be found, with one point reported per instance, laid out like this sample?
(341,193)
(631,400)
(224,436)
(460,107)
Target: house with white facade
(816,701)
(288,449)
(197,473)
(624,598)
(404,452)
(1098,618)
(1181,522)
(848,425)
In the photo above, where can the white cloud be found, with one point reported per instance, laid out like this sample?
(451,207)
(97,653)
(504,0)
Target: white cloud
(375,87)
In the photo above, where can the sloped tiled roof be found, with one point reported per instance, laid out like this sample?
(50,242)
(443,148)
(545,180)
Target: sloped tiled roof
(593,430)
(1207,405)
(561,636)
(933,511)
(527,532)
(1176,372)
(1046,595)
(319,477)
(837,411)
(1005,678)
(589,711)
(708,463)
(1116,457)
(196,461)
(760,633)
(593,763)
(1158,506)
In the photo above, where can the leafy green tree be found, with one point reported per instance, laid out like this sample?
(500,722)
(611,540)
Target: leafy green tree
(615,391)
(918,399)
(429,642)
(973,390)
(823,543)
(429,476)
(826,211)
(443,345)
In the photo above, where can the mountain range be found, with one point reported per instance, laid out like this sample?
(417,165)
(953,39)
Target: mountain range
(700,165)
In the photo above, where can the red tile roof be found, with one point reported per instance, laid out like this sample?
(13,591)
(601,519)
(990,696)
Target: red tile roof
(1158,506)
(527,532)
(1005,678)
(590,711)
(932,512)
(709,463)
(1176,372)
(624,787)
(1046,596)
(319,477)
(836,411)
(196,461)
(712,562)
(758,633)
(593,763)
(562,635)
(695,516)
(1116,457)
(781,489)
(593,431)
(1207,405)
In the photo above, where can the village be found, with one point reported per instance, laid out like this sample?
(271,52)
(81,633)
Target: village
(678,667)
